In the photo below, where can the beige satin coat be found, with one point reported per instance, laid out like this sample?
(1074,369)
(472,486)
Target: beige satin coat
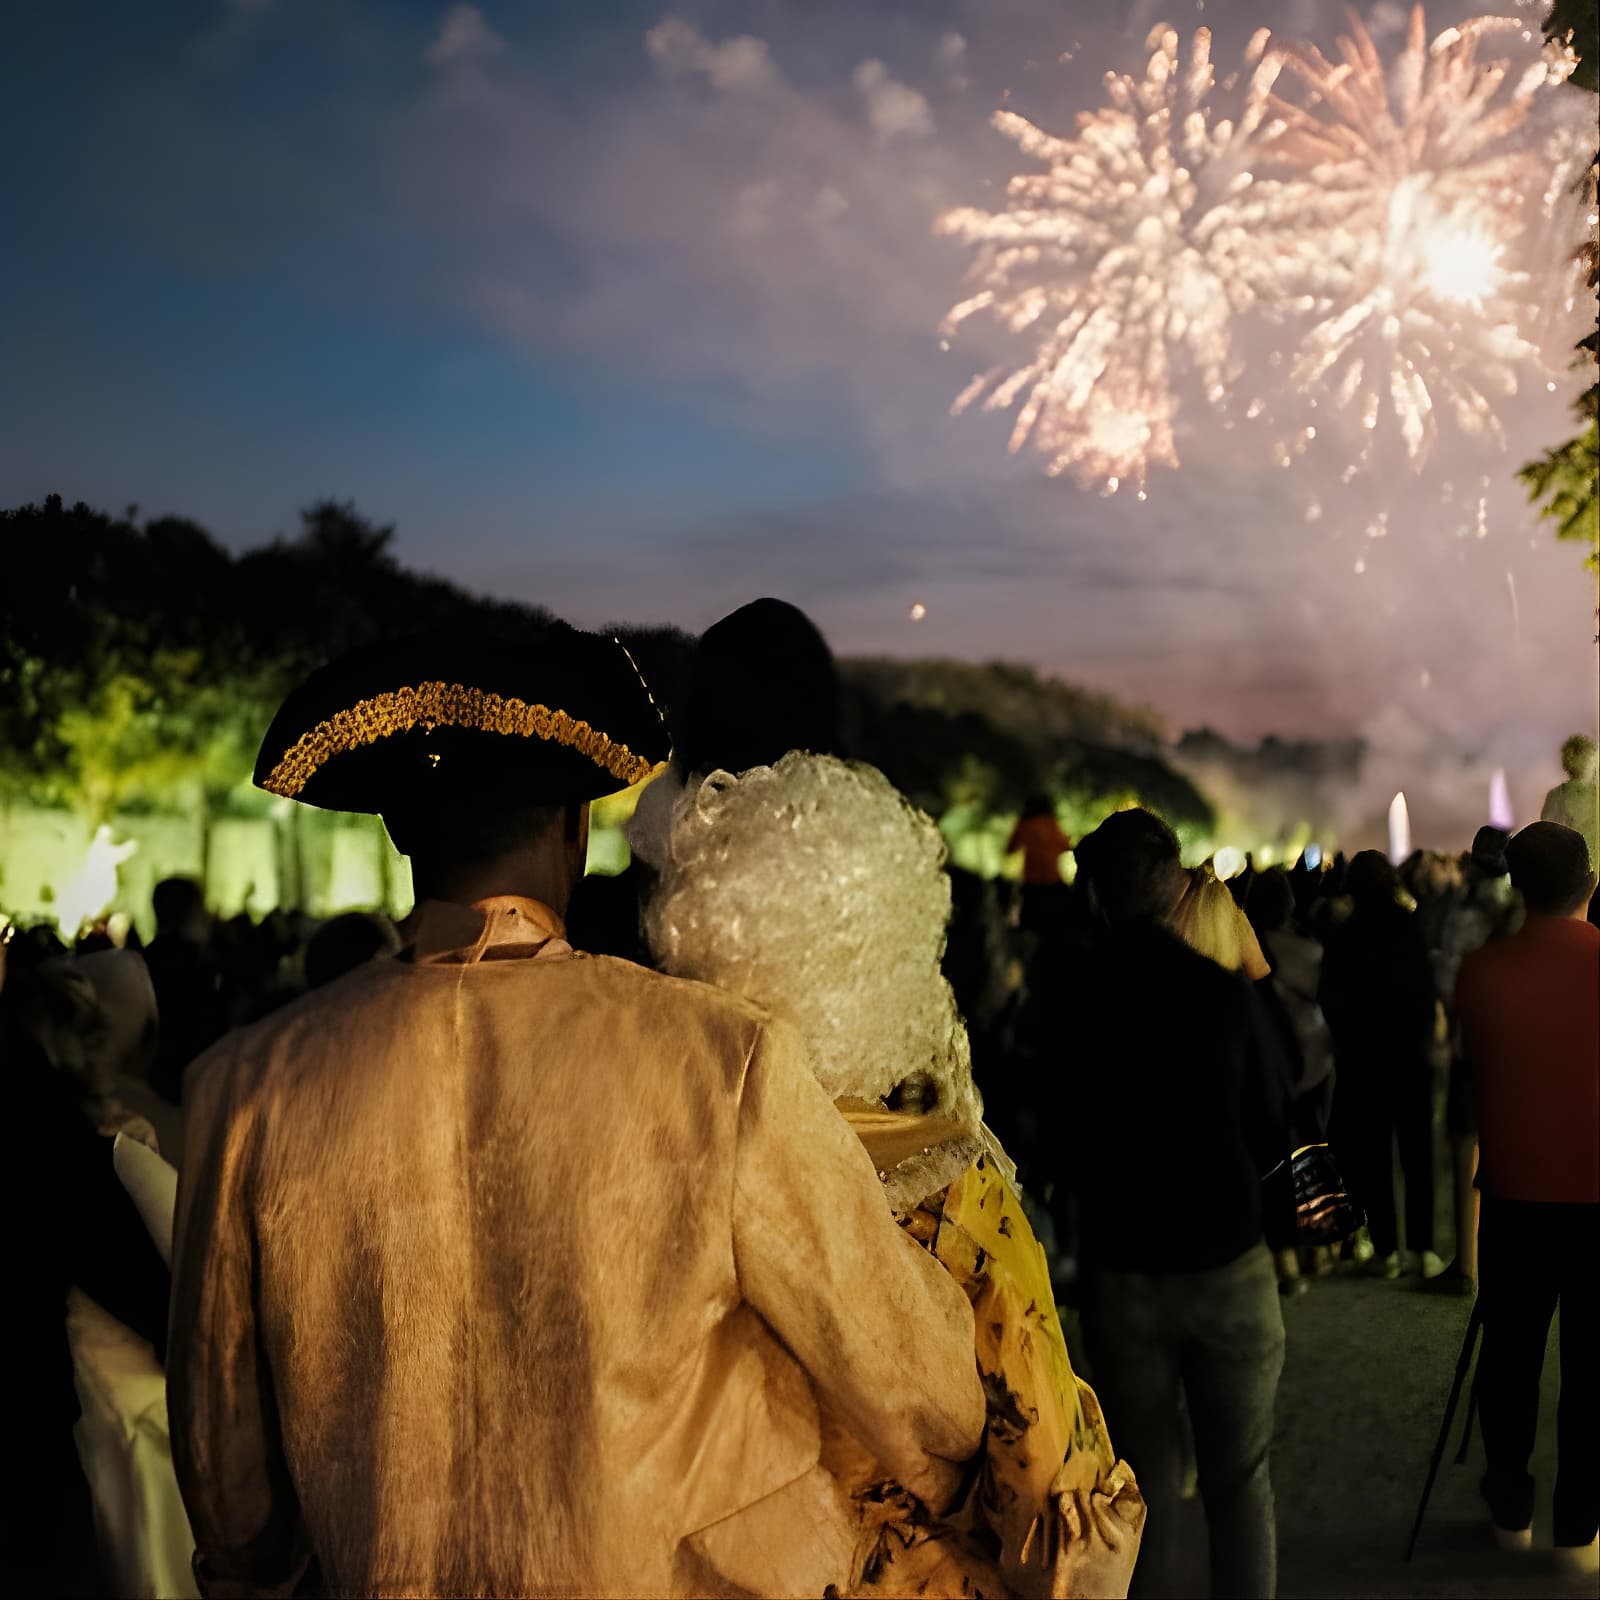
(505,1270)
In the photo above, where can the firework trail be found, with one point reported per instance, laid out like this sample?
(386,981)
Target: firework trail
(1126,258)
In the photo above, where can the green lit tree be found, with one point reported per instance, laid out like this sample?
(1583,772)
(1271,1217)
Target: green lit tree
(139,667)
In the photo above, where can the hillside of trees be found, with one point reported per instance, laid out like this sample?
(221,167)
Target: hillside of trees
(139,663)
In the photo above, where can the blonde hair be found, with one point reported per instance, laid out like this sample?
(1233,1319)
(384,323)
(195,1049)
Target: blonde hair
(1209,921)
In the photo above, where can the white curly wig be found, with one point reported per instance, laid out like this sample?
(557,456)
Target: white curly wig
(817,890)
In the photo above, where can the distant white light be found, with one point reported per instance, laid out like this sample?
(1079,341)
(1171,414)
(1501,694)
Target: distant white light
(918,611)
(1228,862)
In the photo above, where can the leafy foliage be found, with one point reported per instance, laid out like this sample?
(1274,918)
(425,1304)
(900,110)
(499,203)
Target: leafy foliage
(1562,482)
(1578,22)
(138,666)
(954,734)
(1565,481)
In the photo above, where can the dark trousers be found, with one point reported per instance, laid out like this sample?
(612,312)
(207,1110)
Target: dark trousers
(1370,1116)
(1532,1257)
(1210,1343)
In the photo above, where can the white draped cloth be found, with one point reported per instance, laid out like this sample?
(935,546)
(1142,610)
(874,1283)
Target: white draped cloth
(122,1437)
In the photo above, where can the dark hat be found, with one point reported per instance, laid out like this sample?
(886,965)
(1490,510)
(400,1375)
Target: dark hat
(1550,868)
(565,715)
(762,683)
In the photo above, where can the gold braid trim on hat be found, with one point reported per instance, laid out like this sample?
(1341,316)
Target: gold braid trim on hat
(445,705)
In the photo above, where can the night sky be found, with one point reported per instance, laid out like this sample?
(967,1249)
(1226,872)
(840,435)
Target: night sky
(631,313)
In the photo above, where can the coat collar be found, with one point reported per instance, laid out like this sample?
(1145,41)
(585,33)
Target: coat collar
(505,927)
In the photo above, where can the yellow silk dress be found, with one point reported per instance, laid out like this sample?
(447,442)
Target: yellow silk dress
(1049,1509)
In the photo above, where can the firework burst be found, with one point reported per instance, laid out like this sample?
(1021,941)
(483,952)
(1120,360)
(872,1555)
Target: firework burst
(1431,185)
(1126,259)
(1401,221)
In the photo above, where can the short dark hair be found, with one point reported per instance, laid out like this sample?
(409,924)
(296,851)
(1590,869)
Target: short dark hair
(1270,902)
(466,829)
(1130,864)
(762,683)
(1371,879)
(1550,869)
(174,901)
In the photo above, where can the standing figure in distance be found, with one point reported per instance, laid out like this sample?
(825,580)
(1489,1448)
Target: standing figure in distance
(1530,1026)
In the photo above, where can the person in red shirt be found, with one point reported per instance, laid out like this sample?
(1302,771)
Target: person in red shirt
(1530,1019)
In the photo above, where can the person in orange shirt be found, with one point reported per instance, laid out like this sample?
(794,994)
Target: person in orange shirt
(1042,841)
(1530,1020)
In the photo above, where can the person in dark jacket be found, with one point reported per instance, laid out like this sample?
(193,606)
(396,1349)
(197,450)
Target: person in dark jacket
(83,1229)
(1168,1103)
(188,987)
(1378,996)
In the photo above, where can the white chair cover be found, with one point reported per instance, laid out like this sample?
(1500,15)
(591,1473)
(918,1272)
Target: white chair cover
(122,1436)
(152,1182)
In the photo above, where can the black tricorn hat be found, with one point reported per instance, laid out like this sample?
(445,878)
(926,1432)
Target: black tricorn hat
(564,715)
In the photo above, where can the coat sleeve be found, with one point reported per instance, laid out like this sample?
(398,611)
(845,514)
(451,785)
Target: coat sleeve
(226,1445)
(883,1332)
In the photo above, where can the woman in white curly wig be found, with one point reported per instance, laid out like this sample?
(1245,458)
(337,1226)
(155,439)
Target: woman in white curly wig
(809,885)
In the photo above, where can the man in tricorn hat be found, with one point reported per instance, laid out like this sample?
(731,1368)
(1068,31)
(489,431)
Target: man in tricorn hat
(501,1269)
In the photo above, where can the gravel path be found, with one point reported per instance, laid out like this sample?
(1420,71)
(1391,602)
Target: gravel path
(1367,1374)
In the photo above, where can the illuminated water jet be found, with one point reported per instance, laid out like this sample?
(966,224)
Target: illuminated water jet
(1500,812)
(1399,829)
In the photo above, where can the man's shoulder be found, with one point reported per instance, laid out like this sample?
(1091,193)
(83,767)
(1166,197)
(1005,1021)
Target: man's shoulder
(610,990)
(1541,950)
(1175,955)
(261,1041)
(626,983)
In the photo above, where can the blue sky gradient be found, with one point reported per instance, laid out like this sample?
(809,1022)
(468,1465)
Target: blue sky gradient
(641,340)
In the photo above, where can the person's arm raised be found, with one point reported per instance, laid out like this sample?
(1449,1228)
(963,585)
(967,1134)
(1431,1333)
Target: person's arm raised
(881,1329)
